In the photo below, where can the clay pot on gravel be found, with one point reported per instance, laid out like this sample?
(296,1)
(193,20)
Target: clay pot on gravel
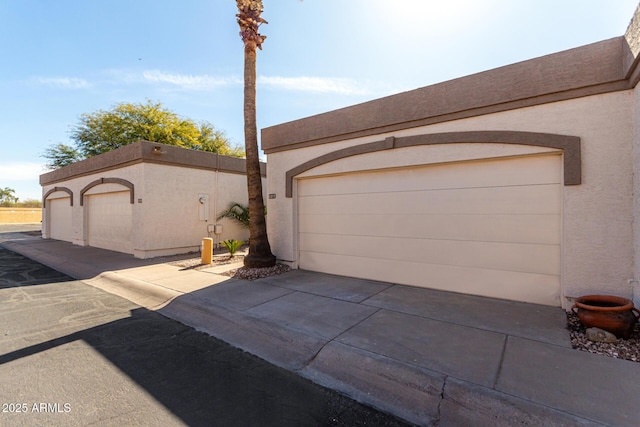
(611,313)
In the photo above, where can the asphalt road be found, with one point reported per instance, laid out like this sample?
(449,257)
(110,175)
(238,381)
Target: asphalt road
(71,354)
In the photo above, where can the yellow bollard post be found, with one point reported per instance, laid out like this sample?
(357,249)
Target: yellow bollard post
(207,250)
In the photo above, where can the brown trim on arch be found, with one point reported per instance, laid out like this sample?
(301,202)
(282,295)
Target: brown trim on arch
(120,181)
(53,190)
(570,146)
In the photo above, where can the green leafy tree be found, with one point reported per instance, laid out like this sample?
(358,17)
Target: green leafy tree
(60,155)
(8,197)
(249,20)
(105,130)
(215,141)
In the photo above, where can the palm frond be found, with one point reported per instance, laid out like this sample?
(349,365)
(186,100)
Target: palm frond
(236,212)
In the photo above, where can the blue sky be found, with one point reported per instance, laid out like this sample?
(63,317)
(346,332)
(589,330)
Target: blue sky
(63,58)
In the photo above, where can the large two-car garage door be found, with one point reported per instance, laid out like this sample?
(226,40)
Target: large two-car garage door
(488,227)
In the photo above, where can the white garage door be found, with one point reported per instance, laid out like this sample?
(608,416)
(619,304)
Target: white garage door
(487,228)
(59,218)
(109,221)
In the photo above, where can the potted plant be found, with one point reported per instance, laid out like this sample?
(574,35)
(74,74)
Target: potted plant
(611,313)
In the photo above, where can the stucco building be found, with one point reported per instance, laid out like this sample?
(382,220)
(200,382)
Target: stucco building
(146,199)
(521,182)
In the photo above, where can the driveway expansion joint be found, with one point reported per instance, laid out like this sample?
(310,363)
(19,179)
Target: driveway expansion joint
(246,309)
(504,350)
(364,301)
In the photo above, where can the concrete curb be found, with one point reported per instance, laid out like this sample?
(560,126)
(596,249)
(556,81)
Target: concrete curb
(425,397)
(409,392)
(143,293)
(286,348)
(464,403)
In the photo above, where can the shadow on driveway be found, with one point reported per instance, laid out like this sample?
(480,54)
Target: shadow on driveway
(16,270)
(62,339)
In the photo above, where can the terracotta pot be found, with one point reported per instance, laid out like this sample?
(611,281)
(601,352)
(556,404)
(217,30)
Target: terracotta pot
(608,312)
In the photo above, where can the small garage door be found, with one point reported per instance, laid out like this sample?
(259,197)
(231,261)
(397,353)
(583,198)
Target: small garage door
(488,228)
(109,221)
(59,213)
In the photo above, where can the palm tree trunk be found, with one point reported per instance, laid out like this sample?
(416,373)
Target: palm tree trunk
(259,249)
(249,19)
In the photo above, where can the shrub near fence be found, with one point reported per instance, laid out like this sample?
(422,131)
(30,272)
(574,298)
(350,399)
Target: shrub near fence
(20,215)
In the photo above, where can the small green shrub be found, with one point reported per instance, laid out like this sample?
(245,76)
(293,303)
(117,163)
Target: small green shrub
(232,245)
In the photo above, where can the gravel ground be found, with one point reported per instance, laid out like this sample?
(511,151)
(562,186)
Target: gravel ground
(628,349)
(238,273)
(257,273)
(195,264)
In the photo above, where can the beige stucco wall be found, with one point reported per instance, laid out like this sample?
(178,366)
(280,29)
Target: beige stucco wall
(597,237)
(166,211)
(171,211)
(636,196)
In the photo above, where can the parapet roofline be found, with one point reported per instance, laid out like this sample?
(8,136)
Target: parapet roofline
(602,67)
(148,152)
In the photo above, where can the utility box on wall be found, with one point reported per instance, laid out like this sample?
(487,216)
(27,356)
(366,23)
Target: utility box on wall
(214,228)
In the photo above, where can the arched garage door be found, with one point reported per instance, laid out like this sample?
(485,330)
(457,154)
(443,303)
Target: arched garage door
(109,219)
(488,228)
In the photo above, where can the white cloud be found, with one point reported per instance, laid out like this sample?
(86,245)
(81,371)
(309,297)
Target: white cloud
(172,80)
(116,76)
(188,81)
(61,82)
(340,86)
(20,171)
